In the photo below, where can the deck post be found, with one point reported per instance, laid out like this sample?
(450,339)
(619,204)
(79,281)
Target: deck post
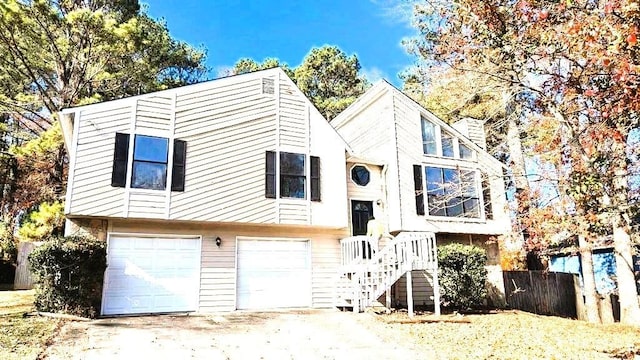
(387,298)
(409,293)
(436,282)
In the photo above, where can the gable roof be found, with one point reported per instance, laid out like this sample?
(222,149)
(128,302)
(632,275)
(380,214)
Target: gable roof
(204,86)
(383,87)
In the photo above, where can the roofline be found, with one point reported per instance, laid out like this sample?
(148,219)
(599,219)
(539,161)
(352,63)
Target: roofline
(370,95)
(175,89)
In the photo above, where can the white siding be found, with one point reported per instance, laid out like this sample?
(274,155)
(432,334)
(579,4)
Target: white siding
(147,204)
(373,191)
(218,277)
(384,125)
(330,148)
(228,125)
(154,113)
(294,120)
(92,193)
(325,262)
(293,211)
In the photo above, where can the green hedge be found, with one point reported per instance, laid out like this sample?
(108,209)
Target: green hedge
(68,273)
(462,276)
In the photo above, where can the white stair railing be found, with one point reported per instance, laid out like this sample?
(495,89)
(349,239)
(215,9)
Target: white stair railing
(362,281)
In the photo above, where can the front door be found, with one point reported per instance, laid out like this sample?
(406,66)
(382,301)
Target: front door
(361,212)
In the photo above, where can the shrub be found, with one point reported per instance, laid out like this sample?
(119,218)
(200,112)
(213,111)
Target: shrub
(68,273)
(462,276)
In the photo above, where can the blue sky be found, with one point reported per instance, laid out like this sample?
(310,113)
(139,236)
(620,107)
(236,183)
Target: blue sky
(287,30)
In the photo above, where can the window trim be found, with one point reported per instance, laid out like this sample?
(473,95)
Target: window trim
(169,181)
(304,175)
(165,162)
(351,175)
(312,180)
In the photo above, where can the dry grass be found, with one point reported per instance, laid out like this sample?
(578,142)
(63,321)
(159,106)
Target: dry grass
(23,337)
(511,335)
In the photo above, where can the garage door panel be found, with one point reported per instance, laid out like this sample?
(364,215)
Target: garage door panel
(273,273)
(146,275)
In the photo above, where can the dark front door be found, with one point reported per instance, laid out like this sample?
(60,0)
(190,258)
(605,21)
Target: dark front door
(361,211)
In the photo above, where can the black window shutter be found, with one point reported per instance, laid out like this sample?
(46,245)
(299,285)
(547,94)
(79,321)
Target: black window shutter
(120,155)
(315,178)
(179,160)
(417,180)
(270,175)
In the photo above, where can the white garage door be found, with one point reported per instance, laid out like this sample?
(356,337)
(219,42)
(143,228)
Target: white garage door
(151,275)
(273,273)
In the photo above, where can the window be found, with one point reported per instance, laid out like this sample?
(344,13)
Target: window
(447,145)
(452,192)
(465,152)
(429,137)
(149,163)
(360,175)
(292,175)
(150,156)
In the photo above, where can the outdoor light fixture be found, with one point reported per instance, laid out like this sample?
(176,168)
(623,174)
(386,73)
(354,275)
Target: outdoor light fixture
(218,241)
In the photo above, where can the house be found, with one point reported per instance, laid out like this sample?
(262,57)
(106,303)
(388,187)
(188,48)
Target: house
(223,195)
(237,194)
(422,175)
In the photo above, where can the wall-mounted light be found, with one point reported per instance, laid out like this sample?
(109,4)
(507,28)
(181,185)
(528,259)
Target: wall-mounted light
(218,241)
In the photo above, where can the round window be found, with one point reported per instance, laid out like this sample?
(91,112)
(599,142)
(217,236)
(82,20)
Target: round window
(360,175)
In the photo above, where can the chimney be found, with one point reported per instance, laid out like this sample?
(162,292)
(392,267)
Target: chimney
(473,129)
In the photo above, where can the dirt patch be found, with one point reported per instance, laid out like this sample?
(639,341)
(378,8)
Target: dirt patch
(510,335)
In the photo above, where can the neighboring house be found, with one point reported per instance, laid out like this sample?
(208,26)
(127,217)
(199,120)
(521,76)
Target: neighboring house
(604,267)
(418,174)
(224,195)
(237,194)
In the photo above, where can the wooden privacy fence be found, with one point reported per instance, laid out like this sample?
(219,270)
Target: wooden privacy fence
(540,292)
(23,279)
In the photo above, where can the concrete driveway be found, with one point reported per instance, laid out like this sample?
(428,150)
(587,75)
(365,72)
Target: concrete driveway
(296,334)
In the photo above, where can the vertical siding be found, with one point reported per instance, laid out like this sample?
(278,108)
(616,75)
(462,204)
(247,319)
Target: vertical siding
(154,113)
(228,129)
(92,193)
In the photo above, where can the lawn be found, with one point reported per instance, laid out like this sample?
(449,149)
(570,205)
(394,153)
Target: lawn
(511,335)
(23,337)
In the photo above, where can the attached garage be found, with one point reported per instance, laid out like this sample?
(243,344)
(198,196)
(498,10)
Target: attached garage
(273,273)
(151,274)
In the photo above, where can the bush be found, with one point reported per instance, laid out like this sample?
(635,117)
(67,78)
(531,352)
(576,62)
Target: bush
(68,274)
(462,276)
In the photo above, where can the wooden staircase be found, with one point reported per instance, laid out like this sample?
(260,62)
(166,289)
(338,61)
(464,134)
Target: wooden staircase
(363,279)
